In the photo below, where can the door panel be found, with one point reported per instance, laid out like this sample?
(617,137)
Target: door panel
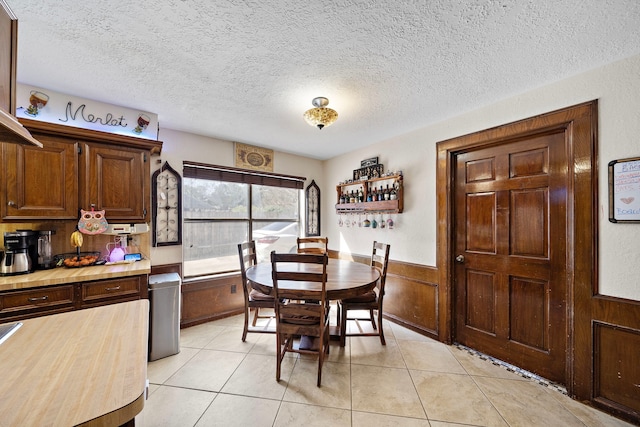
(510,283)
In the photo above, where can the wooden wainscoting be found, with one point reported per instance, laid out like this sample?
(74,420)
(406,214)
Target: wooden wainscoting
(616,347)
(411,294)
(211,298)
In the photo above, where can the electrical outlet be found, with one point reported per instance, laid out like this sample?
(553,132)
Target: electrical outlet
(134,240)
(234,289)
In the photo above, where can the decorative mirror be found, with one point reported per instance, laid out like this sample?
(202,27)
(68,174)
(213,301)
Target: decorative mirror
(312,200)
(167,203)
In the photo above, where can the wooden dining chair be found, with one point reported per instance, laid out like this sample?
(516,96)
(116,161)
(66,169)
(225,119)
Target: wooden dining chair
(370,302)
(253,300)
(313,245)
(294,317)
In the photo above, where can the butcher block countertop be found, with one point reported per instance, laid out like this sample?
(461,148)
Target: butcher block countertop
(85,367)
(61,275)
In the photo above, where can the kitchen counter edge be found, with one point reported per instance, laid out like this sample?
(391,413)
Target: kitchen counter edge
(64,275)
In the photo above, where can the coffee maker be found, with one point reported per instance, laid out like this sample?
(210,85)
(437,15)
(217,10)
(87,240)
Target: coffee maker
(20,252)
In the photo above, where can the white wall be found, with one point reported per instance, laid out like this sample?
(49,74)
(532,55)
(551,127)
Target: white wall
(179,146)
(616,86)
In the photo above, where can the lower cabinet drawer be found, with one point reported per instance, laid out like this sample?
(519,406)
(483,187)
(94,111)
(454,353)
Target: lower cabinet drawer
(51,297)
(122,287)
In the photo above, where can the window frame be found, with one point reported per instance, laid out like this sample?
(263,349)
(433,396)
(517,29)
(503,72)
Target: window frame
(201,171)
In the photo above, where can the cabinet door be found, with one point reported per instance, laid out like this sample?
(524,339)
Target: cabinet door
(40,182)
(116,180)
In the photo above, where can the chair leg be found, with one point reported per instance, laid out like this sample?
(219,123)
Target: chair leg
(380,327)
(343,326)
(247,313)
(278,355)
(255,316)
(372,318)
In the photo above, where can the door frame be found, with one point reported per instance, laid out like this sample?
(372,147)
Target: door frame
(579,123)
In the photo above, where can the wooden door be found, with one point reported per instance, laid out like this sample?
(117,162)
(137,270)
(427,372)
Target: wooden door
(510,272)
(116,180)
(40,182)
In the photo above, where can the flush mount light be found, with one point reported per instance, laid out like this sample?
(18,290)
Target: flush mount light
(320,116)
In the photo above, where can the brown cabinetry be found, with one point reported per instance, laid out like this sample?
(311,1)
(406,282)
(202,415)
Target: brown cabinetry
(45,300)
(124,289)
(113,179)
(76,168)
(38,301)
(40,182)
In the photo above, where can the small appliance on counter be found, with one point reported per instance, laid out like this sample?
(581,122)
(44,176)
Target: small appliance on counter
(20,252)
(45,255)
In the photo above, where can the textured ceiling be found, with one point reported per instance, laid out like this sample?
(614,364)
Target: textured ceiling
(246,70)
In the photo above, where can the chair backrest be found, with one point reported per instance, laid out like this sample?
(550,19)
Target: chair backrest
(248,258)
(313,245)
(309,271)
(380,260)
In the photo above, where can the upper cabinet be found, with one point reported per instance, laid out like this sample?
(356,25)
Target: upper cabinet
(116,180)
(8,58)
(10,129)
(76,168)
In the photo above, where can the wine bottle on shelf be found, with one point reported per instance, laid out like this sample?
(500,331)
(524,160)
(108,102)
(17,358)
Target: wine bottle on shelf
(341,198)
(394,193)
(387,194)
(352,198)
(369,193)
(360,195)
(380,194)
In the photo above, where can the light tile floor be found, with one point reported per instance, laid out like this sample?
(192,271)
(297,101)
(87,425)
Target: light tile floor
(217,380)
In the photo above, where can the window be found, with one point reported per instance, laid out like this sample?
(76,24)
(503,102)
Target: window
(224,206)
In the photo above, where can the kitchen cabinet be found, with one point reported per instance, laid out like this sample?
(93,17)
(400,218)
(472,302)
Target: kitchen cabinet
(36,302)
(76,168)
(8,58)
(40,182)
(112,290)
(116,180)
(39,301)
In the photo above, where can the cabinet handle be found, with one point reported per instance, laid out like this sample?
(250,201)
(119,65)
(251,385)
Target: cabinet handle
(44,298)
(12,203)
(116,288)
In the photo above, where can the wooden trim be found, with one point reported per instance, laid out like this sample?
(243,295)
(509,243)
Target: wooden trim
(580,123)
(167,268)
(36,126)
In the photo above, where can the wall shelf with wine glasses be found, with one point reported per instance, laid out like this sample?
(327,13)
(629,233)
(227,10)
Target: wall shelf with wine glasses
(382,194)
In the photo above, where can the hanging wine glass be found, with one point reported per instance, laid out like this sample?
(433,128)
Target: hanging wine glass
(383,224)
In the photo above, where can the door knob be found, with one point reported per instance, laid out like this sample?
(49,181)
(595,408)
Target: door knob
(12,204)
(460,258)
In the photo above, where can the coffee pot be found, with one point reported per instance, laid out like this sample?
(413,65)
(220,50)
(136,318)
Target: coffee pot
(45,255)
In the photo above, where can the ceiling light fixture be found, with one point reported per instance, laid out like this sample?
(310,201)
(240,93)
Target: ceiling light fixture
(320,116)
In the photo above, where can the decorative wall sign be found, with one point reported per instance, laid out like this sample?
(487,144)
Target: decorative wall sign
(54,107)
(167,206)
(368,172)
(624,190)
(312,201)
(368,162)
(256,158)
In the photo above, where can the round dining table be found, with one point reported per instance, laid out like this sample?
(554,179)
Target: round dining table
(345,279)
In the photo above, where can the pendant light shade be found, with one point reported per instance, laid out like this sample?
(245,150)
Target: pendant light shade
(320,116)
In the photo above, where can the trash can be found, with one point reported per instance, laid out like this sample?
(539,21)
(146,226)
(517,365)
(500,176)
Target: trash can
(164,324)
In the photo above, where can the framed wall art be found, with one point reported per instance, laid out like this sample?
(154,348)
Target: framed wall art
(167,206)
(256,158)
(312,200)
(624,190)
